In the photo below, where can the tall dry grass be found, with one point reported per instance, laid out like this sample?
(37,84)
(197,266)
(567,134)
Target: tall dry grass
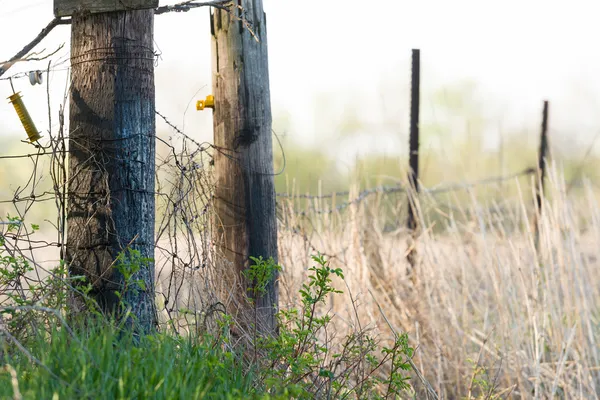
(488,313)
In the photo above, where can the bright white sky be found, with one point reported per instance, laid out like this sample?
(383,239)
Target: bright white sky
(354,53)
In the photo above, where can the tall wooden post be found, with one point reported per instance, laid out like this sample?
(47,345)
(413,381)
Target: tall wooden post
(413,174)
(111,158)
(244,198)
(541,172)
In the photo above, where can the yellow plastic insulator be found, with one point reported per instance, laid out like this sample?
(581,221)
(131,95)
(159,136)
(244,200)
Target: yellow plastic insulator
(208,103)
(25,118)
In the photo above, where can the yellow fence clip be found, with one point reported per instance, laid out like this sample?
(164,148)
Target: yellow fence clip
(209,102)
(25,118)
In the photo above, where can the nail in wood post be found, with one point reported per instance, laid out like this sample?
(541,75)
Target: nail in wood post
(413,174)
(541,177)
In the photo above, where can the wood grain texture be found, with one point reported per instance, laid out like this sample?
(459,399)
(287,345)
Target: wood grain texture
(245,192)
(111,201)
(64,8)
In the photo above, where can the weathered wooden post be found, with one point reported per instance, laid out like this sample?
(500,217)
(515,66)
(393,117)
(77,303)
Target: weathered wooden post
(413,173)
(244,198)
(111,152)
(541,174)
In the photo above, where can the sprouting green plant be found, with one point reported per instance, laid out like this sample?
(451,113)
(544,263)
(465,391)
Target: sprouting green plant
(23,293)
(13,268)
(13,223)
(260,274)
(303,362)
(480,386)
(129,263)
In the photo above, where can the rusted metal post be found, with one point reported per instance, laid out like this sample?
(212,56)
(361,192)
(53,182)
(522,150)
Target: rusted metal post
(413,174)
(541,173)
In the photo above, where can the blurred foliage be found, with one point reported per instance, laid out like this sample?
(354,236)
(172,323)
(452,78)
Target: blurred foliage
(303,168)
(454,129)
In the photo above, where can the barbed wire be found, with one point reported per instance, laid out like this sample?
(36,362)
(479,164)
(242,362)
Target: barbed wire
(183,242)
(183,207)
(361,196)
(25,74)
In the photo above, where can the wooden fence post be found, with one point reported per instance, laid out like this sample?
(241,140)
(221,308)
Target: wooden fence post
(413,174)
(541,173)
(244,198)
(111,201)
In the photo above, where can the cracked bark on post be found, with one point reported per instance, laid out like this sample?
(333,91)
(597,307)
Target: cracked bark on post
(111,155)
(244,198)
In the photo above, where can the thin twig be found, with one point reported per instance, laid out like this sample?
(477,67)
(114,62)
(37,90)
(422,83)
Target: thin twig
(21,55)
(423,380)
(475,371)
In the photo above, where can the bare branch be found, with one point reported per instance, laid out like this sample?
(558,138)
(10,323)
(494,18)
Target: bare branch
(21,55)
(180,7)
(32,58)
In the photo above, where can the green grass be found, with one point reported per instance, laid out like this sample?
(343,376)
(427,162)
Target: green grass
(105,364)
(99,360)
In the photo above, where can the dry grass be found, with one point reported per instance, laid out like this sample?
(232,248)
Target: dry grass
(489,314)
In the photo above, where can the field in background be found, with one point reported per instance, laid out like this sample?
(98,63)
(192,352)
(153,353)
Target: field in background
(308,168)
(488,314)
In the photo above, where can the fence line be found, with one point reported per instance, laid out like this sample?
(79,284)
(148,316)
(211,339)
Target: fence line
(361,196)
(453,187)
(183,204)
